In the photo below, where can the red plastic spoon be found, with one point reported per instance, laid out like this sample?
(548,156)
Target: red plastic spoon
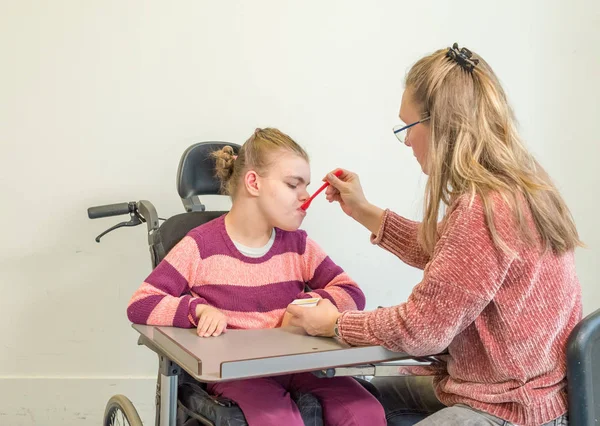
(306,204)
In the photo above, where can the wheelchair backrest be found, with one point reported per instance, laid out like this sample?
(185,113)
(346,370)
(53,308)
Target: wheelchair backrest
(195,177)
(583,371)
(196,173)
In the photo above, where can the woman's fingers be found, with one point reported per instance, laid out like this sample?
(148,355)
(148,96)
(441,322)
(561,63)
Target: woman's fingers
(331,191)
(336,182)
(332,196)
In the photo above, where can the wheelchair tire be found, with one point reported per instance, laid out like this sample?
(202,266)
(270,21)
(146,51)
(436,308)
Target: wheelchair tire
(121,412)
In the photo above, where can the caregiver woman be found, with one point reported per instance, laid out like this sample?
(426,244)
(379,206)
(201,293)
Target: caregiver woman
(499,291)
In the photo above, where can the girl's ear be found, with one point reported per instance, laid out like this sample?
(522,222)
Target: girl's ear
(251,183)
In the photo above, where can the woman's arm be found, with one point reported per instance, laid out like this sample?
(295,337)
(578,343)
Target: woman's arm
(399,236)
(464,275)
(388,230)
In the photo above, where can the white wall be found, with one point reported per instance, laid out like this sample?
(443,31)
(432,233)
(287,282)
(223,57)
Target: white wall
(98,99)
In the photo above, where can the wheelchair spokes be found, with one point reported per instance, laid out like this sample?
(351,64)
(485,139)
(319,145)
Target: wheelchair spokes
(121,412)
(117,418)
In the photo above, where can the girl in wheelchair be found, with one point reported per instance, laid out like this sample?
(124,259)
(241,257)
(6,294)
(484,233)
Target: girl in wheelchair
(243,269)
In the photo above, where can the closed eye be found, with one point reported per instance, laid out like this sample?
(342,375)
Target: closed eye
(297,181)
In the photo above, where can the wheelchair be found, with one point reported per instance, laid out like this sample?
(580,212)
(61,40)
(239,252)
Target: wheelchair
(183,401)
(195,178)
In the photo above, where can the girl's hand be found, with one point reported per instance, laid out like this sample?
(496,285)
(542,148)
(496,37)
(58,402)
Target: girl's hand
(211,321)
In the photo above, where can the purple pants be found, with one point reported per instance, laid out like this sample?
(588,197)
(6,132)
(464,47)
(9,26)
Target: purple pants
(266,401)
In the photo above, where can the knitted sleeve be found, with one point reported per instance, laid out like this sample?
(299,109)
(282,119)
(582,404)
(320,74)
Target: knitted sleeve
(465,272)
(164,297)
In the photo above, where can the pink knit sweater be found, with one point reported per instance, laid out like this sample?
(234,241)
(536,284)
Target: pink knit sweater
(504,319)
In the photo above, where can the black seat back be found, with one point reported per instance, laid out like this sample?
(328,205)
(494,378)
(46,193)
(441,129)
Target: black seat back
(196,173)
(174,229)
(583,372)
(195,177)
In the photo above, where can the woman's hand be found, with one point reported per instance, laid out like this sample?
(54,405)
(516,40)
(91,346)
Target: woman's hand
(286,319)
(348,192)
(211,321)
(316,321)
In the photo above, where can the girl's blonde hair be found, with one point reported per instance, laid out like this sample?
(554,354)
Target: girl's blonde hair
(256,154)
(475,149)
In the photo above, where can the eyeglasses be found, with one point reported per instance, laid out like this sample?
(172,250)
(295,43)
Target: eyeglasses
(399,130)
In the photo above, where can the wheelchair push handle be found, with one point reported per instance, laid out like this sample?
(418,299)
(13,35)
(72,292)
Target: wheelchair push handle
(139,212)
(111,210)
(108,210)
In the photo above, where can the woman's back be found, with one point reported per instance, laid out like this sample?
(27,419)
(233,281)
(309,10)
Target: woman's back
(510,360)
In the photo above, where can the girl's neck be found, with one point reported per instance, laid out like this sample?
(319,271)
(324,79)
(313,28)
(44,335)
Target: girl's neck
(246,225)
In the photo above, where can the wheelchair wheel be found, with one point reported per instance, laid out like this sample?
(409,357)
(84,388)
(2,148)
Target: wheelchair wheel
(121,412)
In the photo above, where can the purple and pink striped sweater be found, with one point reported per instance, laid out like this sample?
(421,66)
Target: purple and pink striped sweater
(206,267)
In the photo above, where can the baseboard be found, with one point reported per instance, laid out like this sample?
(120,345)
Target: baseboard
(66,401)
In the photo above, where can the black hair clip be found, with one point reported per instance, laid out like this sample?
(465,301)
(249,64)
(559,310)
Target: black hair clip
(462,57)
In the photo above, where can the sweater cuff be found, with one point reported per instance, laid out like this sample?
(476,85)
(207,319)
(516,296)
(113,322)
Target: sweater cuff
(395,233)
(376,239)
(192,311)
(352,327)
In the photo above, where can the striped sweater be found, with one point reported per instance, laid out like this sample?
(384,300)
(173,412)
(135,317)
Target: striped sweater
(205,267)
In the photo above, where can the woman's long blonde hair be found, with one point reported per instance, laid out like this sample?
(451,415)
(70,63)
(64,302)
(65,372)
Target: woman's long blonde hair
(475,149)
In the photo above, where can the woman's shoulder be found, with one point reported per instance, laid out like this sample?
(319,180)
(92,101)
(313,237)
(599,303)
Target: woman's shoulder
(474,206)
(496,210)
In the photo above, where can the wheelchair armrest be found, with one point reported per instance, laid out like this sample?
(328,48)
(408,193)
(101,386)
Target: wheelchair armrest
(148,212)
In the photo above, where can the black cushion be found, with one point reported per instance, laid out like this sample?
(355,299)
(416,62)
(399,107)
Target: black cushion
(583,371)
(196,172)
(175,228)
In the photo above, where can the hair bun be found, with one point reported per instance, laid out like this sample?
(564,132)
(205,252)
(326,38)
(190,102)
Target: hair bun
(224,163)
